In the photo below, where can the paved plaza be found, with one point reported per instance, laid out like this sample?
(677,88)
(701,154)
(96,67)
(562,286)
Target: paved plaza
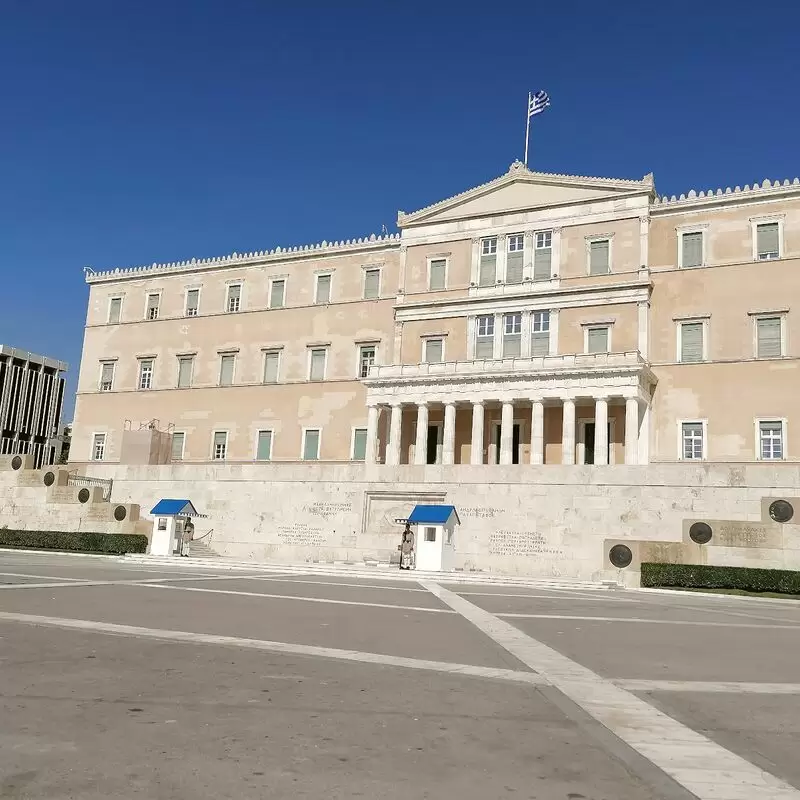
(133,680)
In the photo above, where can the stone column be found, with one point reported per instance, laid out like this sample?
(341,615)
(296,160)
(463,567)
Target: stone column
(506,433)
(631,431)
(476,448)
(537,432)
(395,424)
(421,445)
(568,433)
(373,414)
(601,431)
(449,436)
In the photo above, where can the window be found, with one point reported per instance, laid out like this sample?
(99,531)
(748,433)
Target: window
(484,337)
(322,294)
(153,301)
(512,335)
(597,339)
(767,241)
(185,371)
(487,271)
(770,440)
(264,446)
(220,447)
(316,364)
(311,438)
(540,333)
(372,284)
(692,249)
(692,441)
(178,442)
(146,374)
(98,447)
(226,368)
(272,363)
(434,351)
(359,450)
(769,337)
(437,277)
(114,310)
(430,534)
(277,292)
(542,255)
(233,301)
(599,260)
(366,358)
(514,258)
(192,302)
(691,345)
(106,376)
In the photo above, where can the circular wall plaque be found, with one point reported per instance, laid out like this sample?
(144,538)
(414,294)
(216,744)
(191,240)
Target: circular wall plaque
(49,478)
(83,495)
(16,462)
(120,512)
(700,532)
(620,556)
(781,510)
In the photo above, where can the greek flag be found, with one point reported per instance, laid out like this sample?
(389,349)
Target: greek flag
(537,103)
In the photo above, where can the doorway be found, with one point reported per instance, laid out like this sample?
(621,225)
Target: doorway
(433,453)
(516,437)
(586,442)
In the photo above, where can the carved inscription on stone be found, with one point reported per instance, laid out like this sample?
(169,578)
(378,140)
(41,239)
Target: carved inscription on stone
(746,534)
(521,543)
(479,512)
(328,510)
(301,534)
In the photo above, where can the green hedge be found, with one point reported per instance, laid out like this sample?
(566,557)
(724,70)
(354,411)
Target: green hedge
(695,576)
(74,541)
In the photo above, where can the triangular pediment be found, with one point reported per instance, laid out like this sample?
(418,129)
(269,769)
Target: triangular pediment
(521,189)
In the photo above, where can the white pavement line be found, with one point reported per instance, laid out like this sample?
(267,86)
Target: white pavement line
(297,582)
(516,676)
(698,623)
(695,762)
(41,577)
(295,597)
(733,687)
(585,598)
(204,578)
(80,583)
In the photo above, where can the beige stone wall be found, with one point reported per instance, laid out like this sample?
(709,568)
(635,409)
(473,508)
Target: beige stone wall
(622,318)
(453,329)
(625,248)
(458,255)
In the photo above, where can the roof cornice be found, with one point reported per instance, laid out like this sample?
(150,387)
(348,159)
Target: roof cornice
(766,190)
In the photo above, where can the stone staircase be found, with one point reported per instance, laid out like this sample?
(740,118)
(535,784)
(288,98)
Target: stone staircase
(200,549)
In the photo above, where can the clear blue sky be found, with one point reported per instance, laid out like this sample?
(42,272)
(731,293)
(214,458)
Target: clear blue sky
(157,131)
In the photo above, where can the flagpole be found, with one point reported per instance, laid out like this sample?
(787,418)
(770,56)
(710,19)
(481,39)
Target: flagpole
(527,127)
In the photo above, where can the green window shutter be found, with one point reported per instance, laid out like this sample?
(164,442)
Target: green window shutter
(540,344)
(434,351)
(768,330)
(514,267)
(692,244)
(360,444)
(691,342)
(184,372)
(372,284)
(177,446)
(323,289)
(484,347)
(311,446)
(115,309)
(226,370)
(542,257)
(264,446)
(767,244)
(488,270)
(438,270)
(276,297)
(597,340)
(317,372)
(271,362)
(598,257)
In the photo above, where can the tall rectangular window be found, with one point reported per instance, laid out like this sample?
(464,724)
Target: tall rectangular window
(512,335)
(272,363)
(277,292)
(366,358)
(692,441)
(359,444)
(146,373)
(316,366)
(437,280)
(227,364)
(153,301)
(233,300)
(768,241)
(192,302)
(220,448)
(514,257)
(769,342)
(114,310)
(185,370)
(322,293)
(692,249)
(691,342)
(98,447)
(107,376)
(372,284)
(540,333)
(543,256)
(311,444)
(264,446)
(434,351)
(484,336)
(597,339)
(770,435)
(599,262)
(487,271)
(178,442)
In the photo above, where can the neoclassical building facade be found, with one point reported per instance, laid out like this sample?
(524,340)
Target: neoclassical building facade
(537,318)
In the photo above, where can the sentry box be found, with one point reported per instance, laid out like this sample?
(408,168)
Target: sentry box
(170,519)
(434,537)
